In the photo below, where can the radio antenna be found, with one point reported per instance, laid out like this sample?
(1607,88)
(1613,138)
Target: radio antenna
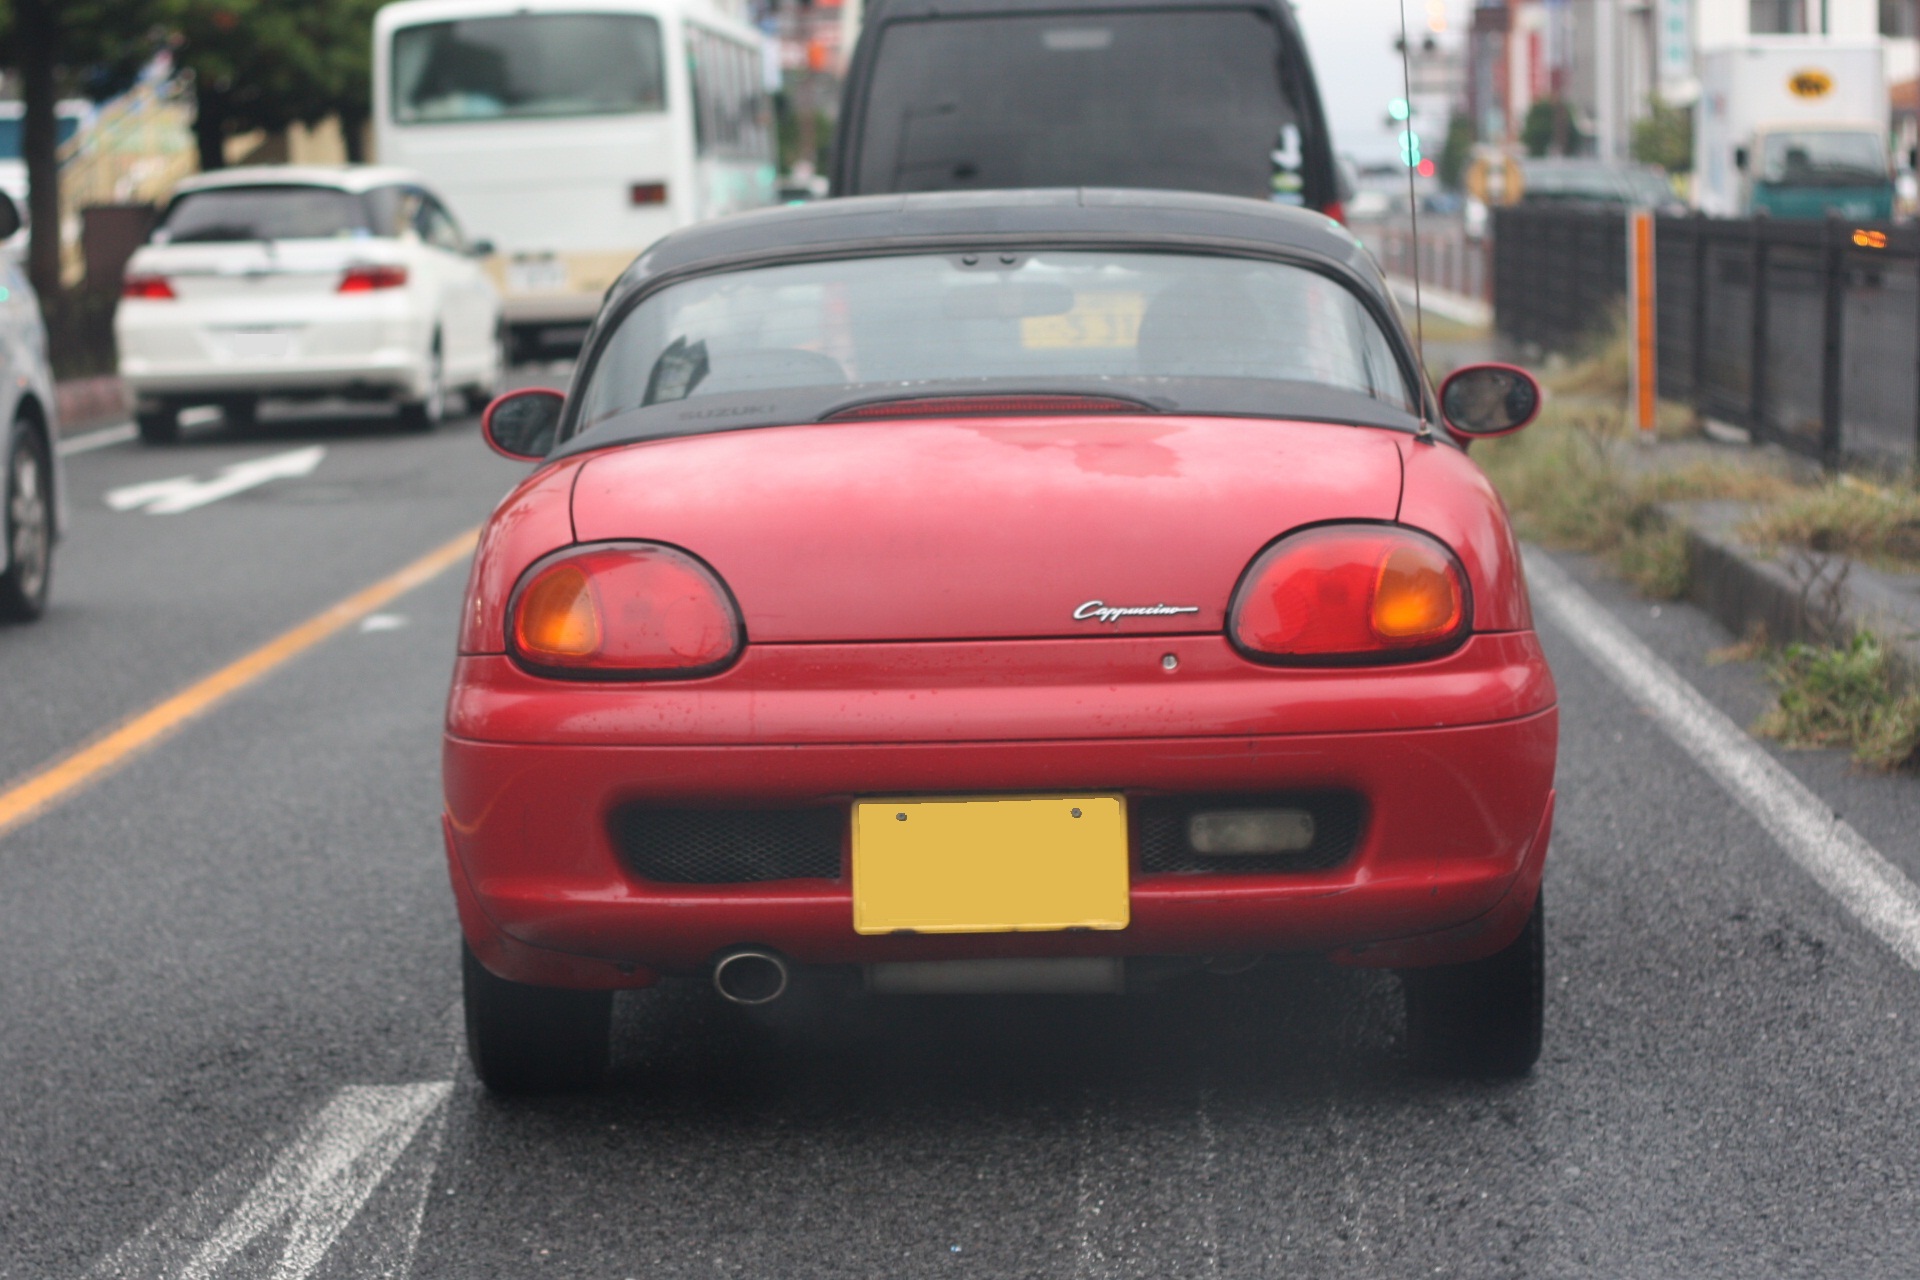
(1413,215)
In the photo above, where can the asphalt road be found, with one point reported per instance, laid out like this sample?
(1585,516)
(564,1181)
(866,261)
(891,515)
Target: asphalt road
(230,1045)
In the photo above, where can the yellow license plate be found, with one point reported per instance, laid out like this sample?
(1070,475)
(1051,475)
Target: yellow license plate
(990,865)
(1097,320)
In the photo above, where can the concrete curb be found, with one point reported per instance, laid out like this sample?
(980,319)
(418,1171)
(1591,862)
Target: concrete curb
(84,403)
(1796,596)
(1457,307)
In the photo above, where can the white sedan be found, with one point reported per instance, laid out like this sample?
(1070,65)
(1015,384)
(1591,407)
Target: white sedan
(297,282)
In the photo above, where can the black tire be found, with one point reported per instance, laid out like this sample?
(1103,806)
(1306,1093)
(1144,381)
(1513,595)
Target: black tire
(158,426)
(425,414)
(1483,1018)
(242,414)
(27,521)
(525,1040)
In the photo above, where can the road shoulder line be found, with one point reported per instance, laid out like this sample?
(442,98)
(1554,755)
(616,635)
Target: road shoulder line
(1838,858)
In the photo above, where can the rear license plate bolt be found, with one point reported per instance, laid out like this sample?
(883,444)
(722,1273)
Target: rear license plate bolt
(1076,813)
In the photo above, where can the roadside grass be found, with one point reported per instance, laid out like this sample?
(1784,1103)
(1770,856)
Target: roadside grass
(1844,696)
(1847,516)
(1571,483)
(1579,480)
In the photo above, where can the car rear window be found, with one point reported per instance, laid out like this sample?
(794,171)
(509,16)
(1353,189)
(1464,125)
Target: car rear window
(1189,100)
(1131,321)
(263,213)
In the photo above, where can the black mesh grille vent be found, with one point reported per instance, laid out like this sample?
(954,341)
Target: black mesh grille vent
(729,846)
(1161,827)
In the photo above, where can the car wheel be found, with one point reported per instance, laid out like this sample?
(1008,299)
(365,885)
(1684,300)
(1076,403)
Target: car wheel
(242,414)
(1482,1018)
(29,529)
(425,413)
(158,426)
(525,1039)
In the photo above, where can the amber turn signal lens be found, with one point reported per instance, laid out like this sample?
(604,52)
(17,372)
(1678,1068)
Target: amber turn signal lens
(557,617)
(617,611)
(1418,596)
(1350,594)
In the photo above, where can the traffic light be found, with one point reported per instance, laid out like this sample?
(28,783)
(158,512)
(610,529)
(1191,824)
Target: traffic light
(1410,148)
(1398,109)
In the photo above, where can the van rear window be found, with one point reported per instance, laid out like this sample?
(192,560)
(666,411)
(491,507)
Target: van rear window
(1188,100)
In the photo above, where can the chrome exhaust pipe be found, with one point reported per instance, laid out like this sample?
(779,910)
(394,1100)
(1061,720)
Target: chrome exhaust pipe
(750,976)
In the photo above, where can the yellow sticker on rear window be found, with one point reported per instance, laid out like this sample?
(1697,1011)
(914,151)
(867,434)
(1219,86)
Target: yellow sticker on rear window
(1097,320)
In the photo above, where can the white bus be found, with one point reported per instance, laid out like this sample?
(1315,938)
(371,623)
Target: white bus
(571,134)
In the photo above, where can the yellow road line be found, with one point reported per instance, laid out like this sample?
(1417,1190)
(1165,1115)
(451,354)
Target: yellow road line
(54,781)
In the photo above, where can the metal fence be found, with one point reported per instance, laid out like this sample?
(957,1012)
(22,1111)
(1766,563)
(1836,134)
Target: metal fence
(1804,333)
(1449,259)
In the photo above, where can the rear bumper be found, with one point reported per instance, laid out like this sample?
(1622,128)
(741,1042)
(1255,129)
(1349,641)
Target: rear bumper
(357,346)
(533,310)
(1458,826)
(304,384)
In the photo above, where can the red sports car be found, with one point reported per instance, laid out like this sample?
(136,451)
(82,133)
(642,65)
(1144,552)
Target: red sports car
(1000,591)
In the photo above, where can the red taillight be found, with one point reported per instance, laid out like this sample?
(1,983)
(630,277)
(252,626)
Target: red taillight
(1337,211)
(1351,593)
(151,288)
(623,611)
(647,193)
(369,278)
(988,406)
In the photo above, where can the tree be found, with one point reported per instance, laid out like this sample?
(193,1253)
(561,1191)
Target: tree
(50,42)
(1665,137)
(267,64)
(1458,151)
(1550,128)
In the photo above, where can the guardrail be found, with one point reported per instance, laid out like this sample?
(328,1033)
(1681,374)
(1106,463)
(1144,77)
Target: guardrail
(1806,334)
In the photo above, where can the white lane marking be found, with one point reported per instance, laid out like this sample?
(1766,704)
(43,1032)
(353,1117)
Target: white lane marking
(100,439)
(184,493)
(1090,1260)
(1829,850)
(284,1223)
(383,622)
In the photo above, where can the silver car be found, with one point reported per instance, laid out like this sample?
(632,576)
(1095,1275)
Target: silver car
(33,514)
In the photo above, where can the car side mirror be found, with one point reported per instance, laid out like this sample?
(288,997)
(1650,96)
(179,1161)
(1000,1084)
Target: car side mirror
(1740,159)
(10,221)
(1483,400)
(523,424)
(481,249)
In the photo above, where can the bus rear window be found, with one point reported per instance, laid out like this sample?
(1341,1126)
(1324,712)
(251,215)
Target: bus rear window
(1188,100)
(527,65)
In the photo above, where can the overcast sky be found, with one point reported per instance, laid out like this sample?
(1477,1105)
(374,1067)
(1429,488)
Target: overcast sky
(1353,58)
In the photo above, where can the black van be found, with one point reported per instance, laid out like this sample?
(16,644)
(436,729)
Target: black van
(1194,95)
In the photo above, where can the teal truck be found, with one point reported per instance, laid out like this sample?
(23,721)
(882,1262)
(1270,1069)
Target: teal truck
(1793,127)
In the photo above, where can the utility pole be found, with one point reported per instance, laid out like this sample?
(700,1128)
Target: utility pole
(36,34)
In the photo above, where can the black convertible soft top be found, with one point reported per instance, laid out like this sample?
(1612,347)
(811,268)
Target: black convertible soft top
(956,221)
(1055,215)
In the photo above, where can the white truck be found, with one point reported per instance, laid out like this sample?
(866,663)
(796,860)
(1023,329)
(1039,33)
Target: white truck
(1793,127)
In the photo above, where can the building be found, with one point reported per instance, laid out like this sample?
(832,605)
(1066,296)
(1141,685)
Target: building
(1607,59)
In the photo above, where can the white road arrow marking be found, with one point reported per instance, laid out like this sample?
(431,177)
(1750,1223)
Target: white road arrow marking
(184,493)
(298,1207)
